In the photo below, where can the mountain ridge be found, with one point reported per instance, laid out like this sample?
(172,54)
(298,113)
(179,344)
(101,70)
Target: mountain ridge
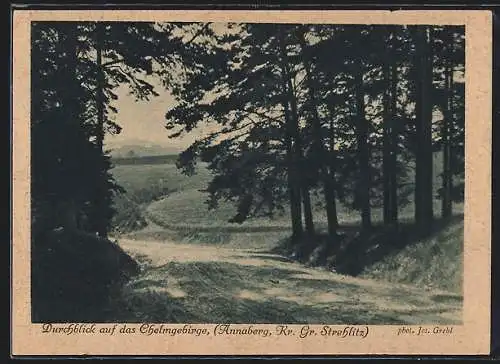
(140,149)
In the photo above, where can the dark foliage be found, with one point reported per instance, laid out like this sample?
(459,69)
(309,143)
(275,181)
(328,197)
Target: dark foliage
(346,111)
(74,274)
(76,69)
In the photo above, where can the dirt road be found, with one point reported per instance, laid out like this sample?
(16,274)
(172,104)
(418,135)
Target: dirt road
(213,284)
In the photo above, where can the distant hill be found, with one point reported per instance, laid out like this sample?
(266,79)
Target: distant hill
(139,150)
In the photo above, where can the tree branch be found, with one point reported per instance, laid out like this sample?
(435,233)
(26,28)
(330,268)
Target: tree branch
(228,131)
(198,33)
(112,62)
(279,121)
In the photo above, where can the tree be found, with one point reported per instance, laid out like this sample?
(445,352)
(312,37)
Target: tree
(449,63)
(424,214)
(320,151)
(390,137)
(329,51)
(446,208)
(64,163)
(364,184)
(77,66)
(344,110)
(255,112)
(295,158)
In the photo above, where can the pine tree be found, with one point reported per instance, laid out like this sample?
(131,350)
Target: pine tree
(448,48)
(364,184)
(423,177)
(255,112)
(321,152)
(447,186)
(317,107)
(390,136)
(77,66)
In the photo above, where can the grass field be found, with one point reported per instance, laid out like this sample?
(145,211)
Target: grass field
(174,204)
(173,199)
(194,258)
(145,184)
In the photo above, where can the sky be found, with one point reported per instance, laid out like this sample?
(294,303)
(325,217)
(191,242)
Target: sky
(144,121)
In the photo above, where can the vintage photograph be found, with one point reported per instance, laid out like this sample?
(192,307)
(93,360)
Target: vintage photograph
(263,173)
(261,182)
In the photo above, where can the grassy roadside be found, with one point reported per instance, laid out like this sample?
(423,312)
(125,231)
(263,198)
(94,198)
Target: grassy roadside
(436,262)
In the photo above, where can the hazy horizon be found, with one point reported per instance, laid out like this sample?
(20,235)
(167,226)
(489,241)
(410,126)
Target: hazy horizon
(144,121)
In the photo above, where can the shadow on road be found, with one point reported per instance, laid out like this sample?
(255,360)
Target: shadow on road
(215,292)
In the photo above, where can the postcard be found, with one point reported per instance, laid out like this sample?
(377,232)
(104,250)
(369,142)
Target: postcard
(229,182)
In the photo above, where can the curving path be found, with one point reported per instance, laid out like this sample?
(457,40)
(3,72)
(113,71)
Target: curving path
(189,283)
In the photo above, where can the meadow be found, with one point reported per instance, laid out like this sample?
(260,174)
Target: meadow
(161,187)
(162,203)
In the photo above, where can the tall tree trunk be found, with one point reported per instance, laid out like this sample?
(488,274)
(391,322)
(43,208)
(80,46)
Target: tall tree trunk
(308,215)
(319,147)
(101,225)
(394,142)
(298,157)
(292,132)
(301,179)
(69,209)
(446,206)
(390,141)
(364,184)
(386,146)
(423,175)
(333,183)
(293,188)
(100,85)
